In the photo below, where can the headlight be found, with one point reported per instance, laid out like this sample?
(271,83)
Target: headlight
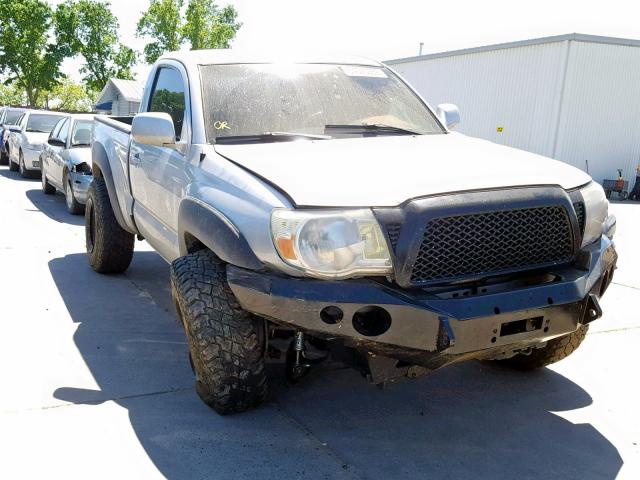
(596,207)
(331,243)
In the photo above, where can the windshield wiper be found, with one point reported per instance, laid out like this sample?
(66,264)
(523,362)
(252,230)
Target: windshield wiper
(371,128)
(270,137)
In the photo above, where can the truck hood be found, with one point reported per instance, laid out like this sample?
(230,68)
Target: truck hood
(388,170)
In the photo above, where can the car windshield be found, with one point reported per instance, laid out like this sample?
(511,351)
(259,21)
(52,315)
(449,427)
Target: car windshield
(42,123)
(81,135)
(11,117)
(270,101)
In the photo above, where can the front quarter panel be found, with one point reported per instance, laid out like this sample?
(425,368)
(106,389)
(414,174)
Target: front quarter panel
(240,199)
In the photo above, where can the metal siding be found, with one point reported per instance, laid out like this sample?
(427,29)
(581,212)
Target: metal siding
(518,89)
(600,119)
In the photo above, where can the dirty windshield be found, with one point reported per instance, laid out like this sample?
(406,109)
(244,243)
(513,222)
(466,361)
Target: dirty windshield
(311,100)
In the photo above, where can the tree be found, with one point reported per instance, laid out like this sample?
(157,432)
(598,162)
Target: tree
(205,26)
(162,22)
(89,28)
(69,95)
(27,57)
(11,95)
(209,26)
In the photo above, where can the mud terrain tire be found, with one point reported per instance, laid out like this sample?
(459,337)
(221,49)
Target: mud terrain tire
(109,247)
(227,344)
(555,350)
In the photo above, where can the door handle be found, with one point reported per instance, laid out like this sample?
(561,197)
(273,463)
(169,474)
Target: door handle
(136,156)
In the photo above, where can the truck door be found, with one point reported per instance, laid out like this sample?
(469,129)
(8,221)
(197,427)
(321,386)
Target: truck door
(159,175)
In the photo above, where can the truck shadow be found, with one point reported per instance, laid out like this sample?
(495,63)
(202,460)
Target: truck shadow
(473,420)
(53,206)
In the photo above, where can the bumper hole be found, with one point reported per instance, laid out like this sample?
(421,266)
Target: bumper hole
(371,321)
(546,329)
(493,340)
(496,310)
(550,301)
(331,315)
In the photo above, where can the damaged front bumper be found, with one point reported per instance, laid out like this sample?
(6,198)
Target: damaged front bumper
(433,327)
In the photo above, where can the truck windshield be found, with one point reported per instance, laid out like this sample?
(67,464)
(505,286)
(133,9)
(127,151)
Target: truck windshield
(42,123)
(254,101)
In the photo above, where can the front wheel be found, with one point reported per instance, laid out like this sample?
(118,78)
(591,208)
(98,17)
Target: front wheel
(24,173)
(109,246)
(47,188)
(73,206)
(13,167)
(555,350)
(227,344)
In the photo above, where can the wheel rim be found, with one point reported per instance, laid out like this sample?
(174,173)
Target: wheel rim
(90,226)
(68,191)
(21,163)
(44,180)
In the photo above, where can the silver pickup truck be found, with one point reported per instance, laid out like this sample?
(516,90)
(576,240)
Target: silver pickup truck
(320,209)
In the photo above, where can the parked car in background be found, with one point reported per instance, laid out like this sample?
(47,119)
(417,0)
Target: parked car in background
(8,116)
(66,160)
(28,139)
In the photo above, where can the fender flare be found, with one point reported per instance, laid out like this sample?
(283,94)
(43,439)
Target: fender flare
(100,159)
(200,222)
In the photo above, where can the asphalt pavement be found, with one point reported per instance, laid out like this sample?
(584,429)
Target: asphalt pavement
(96,384)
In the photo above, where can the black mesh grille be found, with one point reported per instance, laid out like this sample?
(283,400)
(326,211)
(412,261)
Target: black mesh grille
(579,208)
(393,230)
(484,243)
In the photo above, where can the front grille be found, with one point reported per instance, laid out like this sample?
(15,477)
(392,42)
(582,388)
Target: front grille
(465,246)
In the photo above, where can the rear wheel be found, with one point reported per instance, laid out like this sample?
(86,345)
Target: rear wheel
(4,156)
(109,246)
(73,206)
(226,343)
(555,350)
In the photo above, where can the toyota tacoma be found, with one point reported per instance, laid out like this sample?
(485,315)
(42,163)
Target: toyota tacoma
(320,209)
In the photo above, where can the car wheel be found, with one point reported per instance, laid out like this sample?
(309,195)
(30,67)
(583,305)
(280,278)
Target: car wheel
(73,206)
(13,167)
(47,188)
(24,173)
(109,246)
(226,343)
(4,156)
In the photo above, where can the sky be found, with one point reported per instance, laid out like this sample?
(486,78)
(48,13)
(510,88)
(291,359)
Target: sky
(387,30)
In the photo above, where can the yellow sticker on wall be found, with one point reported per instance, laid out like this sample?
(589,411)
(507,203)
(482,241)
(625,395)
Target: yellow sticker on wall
(499,129)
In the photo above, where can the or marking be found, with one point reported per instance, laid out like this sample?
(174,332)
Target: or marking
(221,125)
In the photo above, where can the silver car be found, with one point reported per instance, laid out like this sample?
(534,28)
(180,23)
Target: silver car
(9,116)
(28,138)
(66,160)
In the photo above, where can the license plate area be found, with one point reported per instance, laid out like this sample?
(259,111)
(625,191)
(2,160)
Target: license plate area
(521,326)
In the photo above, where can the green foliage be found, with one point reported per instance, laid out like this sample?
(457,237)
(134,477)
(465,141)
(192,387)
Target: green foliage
(27,57)
(209,26)
(161,22)
(69,95)
(11,95)
(89,28)
(205,26)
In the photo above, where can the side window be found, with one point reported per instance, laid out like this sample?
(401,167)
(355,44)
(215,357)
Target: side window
(55,133)
(22,121)
(64,131)
(168,96)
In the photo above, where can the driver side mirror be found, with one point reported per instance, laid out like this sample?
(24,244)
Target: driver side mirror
(13,128)
(55,142)
(153,128)
(449,114)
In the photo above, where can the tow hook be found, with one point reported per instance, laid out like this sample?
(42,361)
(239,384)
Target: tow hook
(592,311)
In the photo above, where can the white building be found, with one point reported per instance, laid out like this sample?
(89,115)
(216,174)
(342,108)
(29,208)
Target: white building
(120,97)
(572,97)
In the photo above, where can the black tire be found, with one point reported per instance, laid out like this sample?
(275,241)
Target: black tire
(109,246)
(73,206)
(555,350)
(47,188)
(226,343)
(13,167)
(4,156)
(24,173)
